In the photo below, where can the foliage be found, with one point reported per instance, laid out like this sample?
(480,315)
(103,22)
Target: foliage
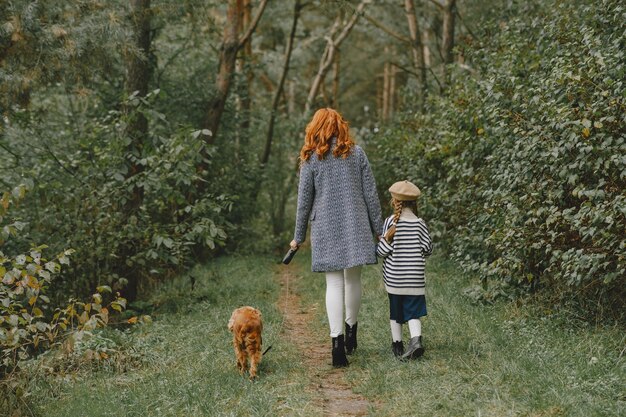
(84,199)
(56,42)
(28,322)
(489,360)
(522,164)
(64,129)
(183,363)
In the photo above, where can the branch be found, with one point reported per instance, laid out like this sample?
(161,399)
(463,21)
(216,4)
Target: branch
(436,3)
(267,82)
(405,69)
(279,90)
(437,43)
(435,77)
(466,26)
(66,169)
(329,53)
(16,156)
(172,58)
(253,25)
(386,29)
(348,27)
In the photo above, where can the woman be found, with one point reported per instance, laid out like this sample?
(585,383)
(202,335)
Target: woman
(337,193)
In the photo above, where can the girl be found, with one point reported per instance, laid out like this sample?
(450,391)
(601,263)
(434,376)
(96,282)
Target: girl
(337,195)
(404,246)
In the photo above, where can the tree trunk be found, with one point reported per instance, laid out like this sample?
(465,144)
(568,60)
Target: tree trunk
(418,51)
(392,90)
(449,13)
(291,100)
(335,94)
(329,55)
(380,95)
(425,42)
(228,57)
(279,90)
(386,79)
(138,73)
(246,100)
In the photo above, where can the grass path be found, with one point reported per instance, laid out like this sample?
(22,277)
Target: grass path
(501,360)
(333,394)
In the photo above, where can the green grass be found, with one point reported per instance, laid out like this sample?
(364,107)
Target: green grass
(189,365)
(481,360)
(500,360)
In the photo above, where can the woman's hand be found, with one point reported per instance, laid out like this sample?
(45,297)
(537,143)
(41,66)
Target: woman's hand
(294,244)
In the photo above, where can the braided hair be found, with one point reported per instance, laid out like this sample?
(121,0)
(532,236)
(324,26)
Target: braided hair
(397,206)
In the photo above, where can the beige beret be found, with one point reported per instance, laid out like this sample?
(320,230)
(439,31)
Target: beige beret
(404,191)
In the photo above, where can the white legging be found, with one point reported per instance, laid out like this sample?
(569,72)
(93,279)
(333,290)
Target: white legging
(343,287)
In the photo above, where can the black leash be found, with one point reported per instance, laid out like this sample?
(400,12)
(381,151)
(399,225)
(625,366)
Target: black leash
(266,350)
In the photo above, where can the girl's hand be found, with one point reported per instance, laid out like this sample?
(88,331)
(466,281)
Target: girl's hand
(294,244)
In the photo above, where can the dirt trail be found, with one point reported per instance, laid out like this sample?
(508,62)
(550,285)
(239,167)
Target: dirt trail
(329,385)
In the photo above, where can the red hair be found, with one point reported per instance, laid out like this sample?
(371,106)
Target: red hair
(326,124)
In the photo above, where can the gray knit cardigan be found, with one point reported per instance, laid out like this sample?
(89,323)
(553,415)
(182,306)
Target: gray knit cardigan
(339,197)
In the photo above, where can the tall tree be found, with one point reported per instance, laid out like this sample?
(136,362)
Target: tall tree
(419,60)
(328,56)
(447,44)
(231,45)
(279,90)
(245,64)
(138,72)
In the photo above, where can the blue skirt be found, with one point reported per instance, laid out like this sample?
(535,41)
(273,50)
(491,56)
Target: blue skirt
(403,308)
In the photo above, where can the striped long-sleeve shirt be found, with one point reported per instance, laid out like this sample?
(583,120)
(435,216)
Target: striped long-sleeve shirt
(404,258)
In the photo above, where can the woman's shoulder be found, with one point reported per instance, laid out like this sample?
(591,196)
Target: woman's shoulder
(311,161)
(359,154)
(358,150)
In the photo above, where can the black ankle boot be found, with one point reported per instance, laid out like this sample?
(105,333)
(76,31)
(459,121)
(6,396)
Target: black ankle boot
(415,349)
(339,352)
(398,348)
(351,338)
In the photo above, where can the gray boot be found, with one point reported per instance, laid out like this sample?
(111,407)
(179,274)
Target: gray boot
(415,348)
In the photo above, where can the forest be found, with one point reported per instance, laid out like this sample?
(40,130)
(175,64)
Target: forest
(145,143)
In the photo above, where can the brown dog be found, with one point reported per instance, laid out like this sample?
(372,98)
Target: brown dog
(246,325)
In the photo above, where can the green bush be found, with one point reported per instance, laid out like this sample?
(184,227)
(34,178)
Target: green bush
(81,194)
(523,162)
(28,322)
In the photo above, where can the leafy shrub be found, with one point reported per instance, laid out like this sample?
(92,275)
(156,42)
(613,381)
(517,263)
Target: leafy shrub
(523,164)
(28,324)
(82,188)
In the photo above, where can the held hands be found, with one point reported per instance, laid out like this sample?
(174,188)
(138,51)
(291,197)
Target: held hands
(294,244)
